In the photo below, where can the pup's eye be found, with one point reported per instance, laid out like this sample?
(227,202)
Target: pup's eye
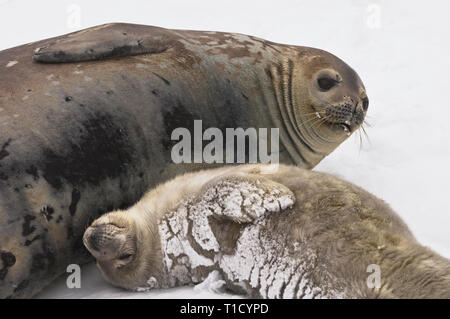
(326,83)
(125,256)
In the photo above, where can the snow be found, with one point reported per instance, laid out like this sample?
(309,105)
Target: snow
(399,48)
(213,283)
(93,286)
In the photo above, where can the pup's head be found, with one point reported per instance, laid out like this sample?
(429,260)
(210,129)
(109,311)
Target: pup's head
(123,250)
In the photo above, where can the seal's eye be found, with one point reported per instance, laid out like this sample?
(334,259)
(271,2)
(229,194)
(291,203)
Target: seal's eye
(365,103)
(326,83)
(125,256)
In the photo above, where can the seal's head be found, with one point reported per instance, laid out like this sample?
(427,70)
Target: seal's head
(329,100)
(120,248)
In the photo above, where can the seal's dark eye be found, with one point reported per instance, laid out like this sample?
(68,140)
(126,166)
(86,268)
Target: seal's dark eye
(326,83)
(125,256)
(365,103)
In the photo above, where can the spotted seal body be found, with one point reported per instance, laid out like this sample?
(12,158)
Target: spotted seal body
(289,234)
(86,122)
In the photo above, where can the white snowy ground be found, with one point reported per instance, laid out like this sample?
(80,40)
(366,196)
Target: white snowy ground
(400,49)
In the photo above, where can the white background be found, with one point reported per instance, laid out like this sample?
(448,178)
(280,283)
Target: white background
(401,50)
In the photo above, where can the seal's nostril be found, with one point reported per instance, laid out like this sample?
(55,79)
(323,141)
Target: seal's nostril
(365,103)
(93,244)
(93,240)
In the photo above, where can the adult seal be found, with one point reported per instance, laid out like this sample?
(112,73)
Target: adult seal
(289,234)
(86,122)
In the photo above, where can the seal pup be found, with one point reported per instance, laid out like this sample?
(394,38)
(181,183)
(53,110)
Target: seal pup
(86,122)
(290,234)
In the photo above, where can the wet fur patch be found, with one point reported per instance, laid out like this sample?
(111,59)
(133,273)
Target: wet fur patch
(76,195)
(103,151)
(27,228)
(8,259)
(3,151)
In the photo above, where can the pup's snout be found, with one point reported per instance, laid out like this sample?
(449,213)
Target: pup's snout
(104,241)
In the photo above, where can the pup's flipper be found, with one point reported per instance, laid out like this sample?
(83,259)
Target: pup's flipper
(245,197)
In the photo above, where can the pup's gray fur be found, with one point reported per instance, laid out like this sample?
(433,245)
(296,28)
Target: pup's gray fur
(243,224)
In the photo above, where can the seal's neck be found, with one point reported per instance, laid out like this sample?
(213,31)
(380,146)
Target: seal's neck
(305,147)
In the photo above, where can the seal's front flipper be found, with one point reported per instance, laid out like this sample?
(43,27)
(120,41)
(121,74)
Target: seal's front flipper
(106,41)
(243,197)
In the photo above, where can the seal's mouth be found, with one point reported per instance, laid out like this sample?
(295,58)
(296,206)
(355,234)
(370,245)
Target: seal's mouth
(345,127)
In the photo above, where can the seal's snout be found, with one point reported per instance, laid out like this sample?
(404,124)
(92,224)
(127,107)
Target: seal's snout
(349,115)
(90,239)
(104,241)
